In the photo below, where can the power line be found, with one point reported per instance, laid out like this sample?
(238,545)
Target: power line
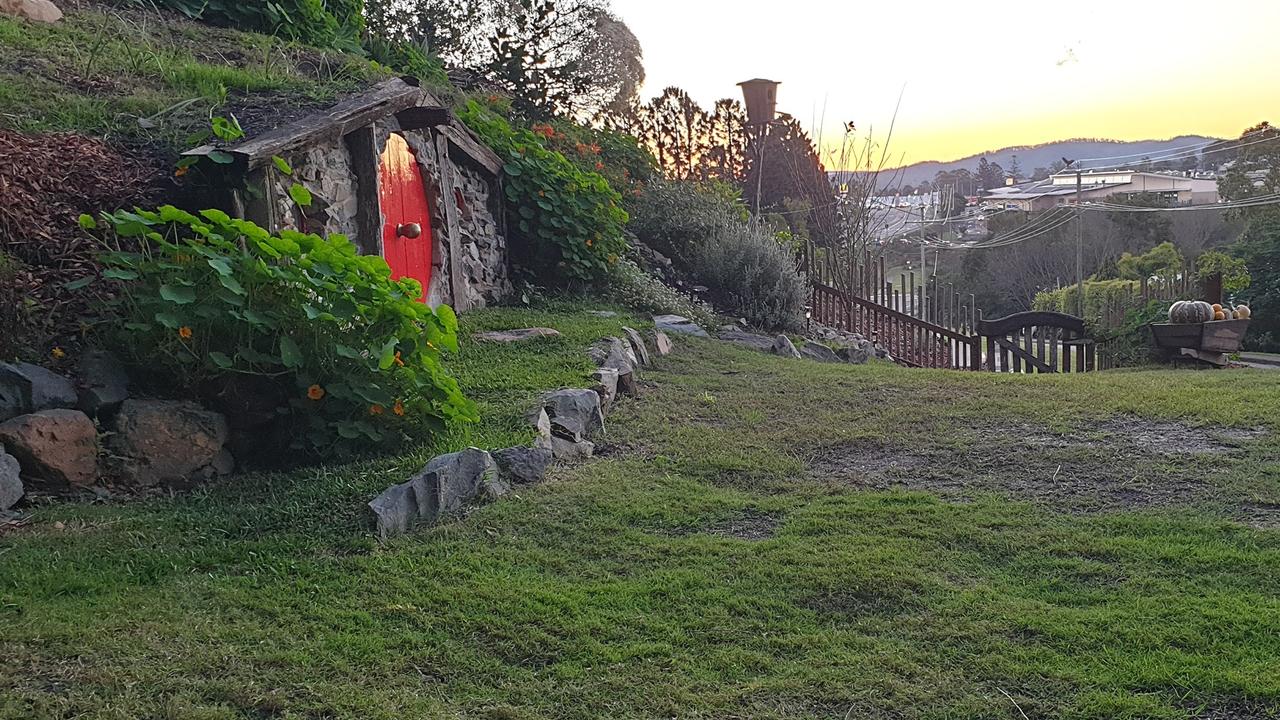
(1179,149)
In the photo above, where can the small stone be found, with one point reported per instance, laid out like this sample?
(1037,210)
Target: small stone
(637,345)
(678,324)
(35,10)
(602,313)
(29,388)
(606,386)
(104,385)
(818,351)
(570,451)
(59,446)
(662,343)
(575,414)
(541,422)
(783,346)
(11,490)
(522,465)
(512,336)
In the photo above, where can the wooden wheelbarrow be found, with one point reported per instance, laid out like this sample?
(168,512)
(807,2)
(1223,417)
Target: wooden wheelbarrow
(1209,342)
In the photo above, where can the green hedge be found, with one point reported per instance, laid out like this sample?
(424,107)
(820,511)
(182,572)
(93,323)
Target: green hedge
(1098,294)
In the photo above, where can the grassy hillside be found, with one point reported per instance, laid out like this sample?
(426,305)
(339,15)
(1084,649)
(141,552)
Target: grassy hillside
(759,538)
(146,76)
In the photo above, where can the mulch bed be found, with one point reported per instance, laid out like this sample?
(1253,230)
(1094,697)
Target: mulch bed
(46,182)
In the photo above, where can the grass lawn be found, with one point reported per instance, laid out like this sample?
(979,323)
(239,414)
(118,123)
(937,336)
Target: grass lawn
(758,538)
(136,75)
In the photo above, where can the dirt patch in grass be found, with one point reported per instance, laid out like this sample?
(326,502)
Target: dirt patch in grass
(1260,515)
(749,524)
(1233,709)
(1121,464)
(1171,438)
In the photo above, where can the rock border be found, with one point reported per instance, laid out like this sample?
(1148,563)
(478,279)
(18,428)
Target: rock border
(566,422)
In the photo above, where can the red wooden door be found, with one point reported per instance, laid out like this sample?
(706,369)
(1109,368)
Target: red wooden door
(406,230)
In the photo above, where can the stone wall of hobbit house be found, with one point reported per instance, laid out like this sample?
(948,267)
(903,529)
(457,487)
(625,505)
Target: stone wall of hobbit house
(328,170)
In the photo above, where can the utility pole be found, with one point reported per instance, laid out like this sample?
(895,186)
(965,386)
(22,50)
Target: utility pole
(1079,246)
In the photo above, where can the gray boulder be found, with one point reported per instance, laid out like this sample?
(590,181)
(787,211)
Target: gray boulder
(58,447)
(27,388)
(616,354)
(457,479)
(513,336)
(445,485)
(637,346)
(737,336)
(575,414)
(522,465)
(854,355)
(163,441)
(570,451)
(395,510)
(104,385)
(606,386)
(818,351)
(11,490)
(678,324)
(783,346)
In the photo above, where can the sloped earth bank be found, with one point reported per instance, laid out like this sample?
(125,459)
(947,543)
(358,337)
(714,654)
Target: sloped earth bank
(757,538)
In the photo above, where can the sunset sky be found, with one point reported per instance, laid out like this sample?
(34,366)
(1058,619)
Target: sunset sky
(977,77)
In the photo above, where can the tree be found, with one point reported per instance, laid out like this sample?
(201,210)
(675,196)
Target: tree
(688,142)
(1163,259)
(1259,247)
(552,57)
(990,175)
(794,180)
(1015,168)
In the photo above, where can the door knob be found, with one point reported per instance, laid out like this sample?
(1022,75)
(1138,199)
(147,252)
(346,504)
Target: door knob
(409,230)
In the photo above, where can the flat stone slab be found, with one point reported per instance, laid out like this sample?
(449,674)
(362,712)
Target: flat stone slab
(678,324)
(737,336)
(514,336)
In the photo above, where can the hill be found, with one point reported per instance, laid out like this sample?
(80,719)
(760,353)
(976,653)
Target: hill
(1031,157)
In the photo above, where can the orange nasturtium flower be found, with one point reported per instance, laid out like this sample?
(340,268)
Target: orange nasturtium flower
(589,243)
(398,361)
(180,172)
(398,408)
(185,332)
(599,165)
(376,409)
(58,353)
(315,392)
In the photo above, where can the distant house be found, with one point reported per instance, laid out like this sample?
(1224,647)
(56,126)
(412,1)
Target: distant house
(1098,185)
(397,173)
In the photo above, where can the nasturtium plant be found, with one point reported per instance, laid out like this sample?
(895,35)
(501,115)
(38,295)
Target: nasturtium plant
(354,357)
(570,220)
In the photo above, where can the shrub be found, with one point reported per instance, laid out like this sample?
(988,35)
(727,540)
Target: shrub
(751,275)
(1131,344)
(633,287)
(569,221)
(354,358)
(1235,275)
(675,218)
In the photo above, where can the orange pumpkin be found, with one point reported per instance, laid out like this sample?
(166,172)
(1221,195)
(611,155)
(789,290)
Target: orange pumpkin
(1217,307)
(1219,315)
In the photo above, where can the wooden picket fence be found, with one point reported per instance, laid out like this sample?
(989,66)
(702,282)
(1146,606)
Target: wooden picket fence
(923,323)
